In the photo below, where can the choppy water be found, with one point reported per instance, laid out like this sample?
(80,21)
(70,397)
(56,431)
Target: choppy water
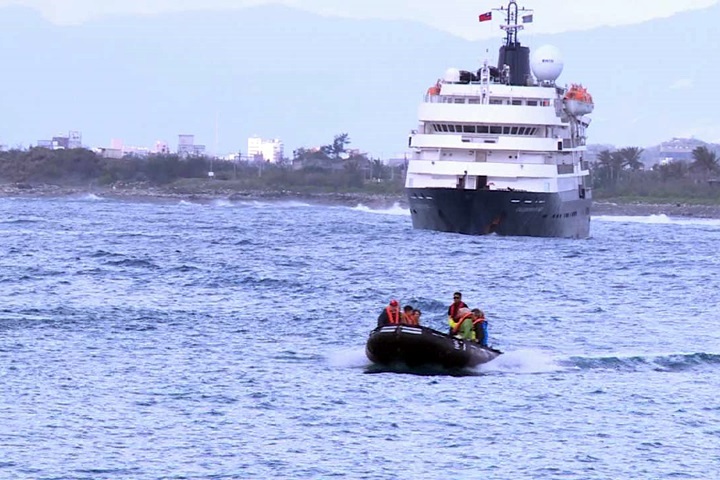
(226,340)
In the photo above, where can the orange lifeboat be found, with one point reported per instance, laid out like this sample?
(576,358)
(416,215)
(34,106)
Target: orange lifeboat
(578,100)
(434,90)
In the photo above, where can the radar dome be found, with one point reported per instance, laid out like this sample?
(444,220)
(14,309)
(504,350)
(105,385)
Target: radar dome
(452,75)
(546,63)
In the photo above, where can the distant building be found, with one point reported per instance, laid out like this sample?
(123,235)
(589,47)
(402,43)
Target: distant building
(267,150)
(187,146)
(72,140)
(161,148)
(678,150)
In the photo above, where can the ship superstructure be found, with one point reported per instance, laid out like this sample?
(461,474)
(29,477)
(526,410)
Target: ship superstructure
(500,150)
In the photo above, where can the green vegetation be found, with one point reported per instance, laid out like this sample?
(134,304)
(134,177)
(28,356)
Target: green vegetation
(329,169)
(619,175)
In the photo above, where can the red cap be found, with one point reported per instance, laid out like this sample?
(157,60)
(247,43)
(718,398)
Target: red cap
(394,303)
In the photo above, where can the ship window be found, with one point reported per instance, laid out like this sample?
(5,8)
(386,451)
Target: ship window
(474,100)
(496,129)
(521,131)
(458,128)
(532,103)
(496,101)
(517,102)
(514,131)
(469,129)
(506,130)
(459,100)
(482,129)
(444,127)
(436,127)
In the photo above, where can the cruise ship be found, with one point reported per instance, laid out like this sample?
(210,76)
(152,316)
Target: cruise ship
(500,149)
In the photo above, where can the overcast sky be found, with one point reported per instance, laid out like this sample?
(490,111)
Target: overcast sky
(456,16)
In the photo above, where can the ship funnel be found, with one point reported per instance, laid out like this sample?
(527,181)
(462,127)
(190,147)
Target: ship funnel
(517,58)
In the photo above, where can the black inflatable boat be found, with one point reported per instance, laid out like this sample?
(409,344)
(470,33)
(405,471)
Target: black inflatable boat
(423,346)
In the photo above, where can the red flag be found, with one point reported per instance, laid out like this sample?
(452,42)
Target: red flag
(485,17)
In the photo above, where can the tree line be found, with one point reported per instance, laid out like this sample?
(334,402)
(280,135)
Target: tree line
(620,173)
(335,168)
(329,168)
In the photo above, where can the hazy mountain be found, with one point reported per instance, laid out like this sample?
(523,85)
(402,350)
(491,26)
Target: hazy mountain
(279,72)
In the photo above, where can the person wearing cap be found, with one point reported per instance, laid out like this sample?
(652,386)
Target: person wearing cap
(480,327)
(462,324)
(454,308)
(390,314)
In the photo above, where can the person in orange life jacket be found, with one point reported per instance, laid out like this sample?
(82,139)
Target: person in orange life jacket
(390,315)
(416,316)
(407,316)
(462,325)
(480,327)
(453,309)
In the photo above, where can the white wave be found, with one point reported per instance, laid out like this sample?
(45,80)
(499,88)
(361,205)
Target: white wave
(349,358)
(660,219)
(90,197)
(294,203)
(185,203)
(522,361)
(222,202)
(396,209)
(273,204)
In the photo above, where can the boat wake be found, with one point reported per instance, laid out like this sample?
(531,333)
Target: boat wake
(396,210)
(676,362)
(525,362)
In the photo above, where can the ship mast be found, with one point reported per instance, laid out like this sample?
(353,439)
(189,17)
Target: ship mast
(512,16)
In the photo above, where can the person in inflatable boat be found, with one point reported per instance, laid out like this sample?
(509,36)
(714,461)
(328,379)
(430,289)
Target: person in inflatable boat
(470,325)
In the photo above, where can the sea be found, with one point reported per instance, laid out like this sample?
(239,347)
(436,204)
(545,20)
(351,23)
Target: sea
(172,339)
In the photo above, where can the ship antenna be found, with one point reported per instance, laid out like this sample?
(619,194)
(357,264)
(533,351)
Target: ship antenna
(511,26)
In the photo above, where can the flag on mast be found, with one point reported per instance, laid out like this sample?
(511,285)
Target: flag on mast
(527,18)
(484,17)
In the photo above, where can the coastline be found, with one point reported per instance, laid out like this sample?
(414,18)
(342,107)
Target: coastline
(208,193)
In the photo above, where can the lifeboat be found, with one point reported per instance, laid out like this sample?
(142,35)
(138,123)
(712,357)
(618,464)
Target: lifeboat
(578,101)
(434,90)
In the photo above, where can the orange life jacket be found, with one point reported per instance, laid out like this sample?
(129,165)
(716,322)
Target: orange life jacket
(393,317)
(456,328)
(409,319)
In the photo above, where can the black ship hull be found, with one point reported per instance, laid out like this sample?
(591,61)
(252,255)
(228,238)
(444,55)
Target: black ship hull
(424,347)
(503,212)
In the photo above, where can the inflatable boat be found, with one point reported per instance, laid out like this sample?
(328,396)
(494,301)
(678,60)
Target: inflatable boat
(417,346)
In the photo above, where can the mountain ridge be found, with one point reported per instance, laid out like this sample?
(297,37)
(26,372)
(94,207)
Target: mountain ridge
(280,72)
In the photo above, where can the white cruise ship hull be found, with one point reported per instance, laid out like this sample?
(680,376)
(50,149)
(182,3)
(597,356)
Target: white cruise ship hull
(502,212)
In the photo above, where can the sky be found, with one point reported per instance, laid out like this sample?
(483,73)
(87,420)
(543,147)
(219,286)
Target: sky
(447,15)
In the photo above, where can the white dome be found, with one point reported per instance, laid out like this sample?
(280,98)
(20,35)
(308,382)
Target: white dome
(546,63)
(452,75)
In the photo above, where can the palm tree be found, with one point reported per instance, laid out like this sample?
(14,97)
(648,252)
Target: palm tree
(704,160)
(630,158)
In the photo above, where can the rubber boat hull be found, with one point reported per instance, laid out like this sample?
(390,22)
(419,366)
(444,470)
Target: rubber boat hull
(503,212)
(423,346)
